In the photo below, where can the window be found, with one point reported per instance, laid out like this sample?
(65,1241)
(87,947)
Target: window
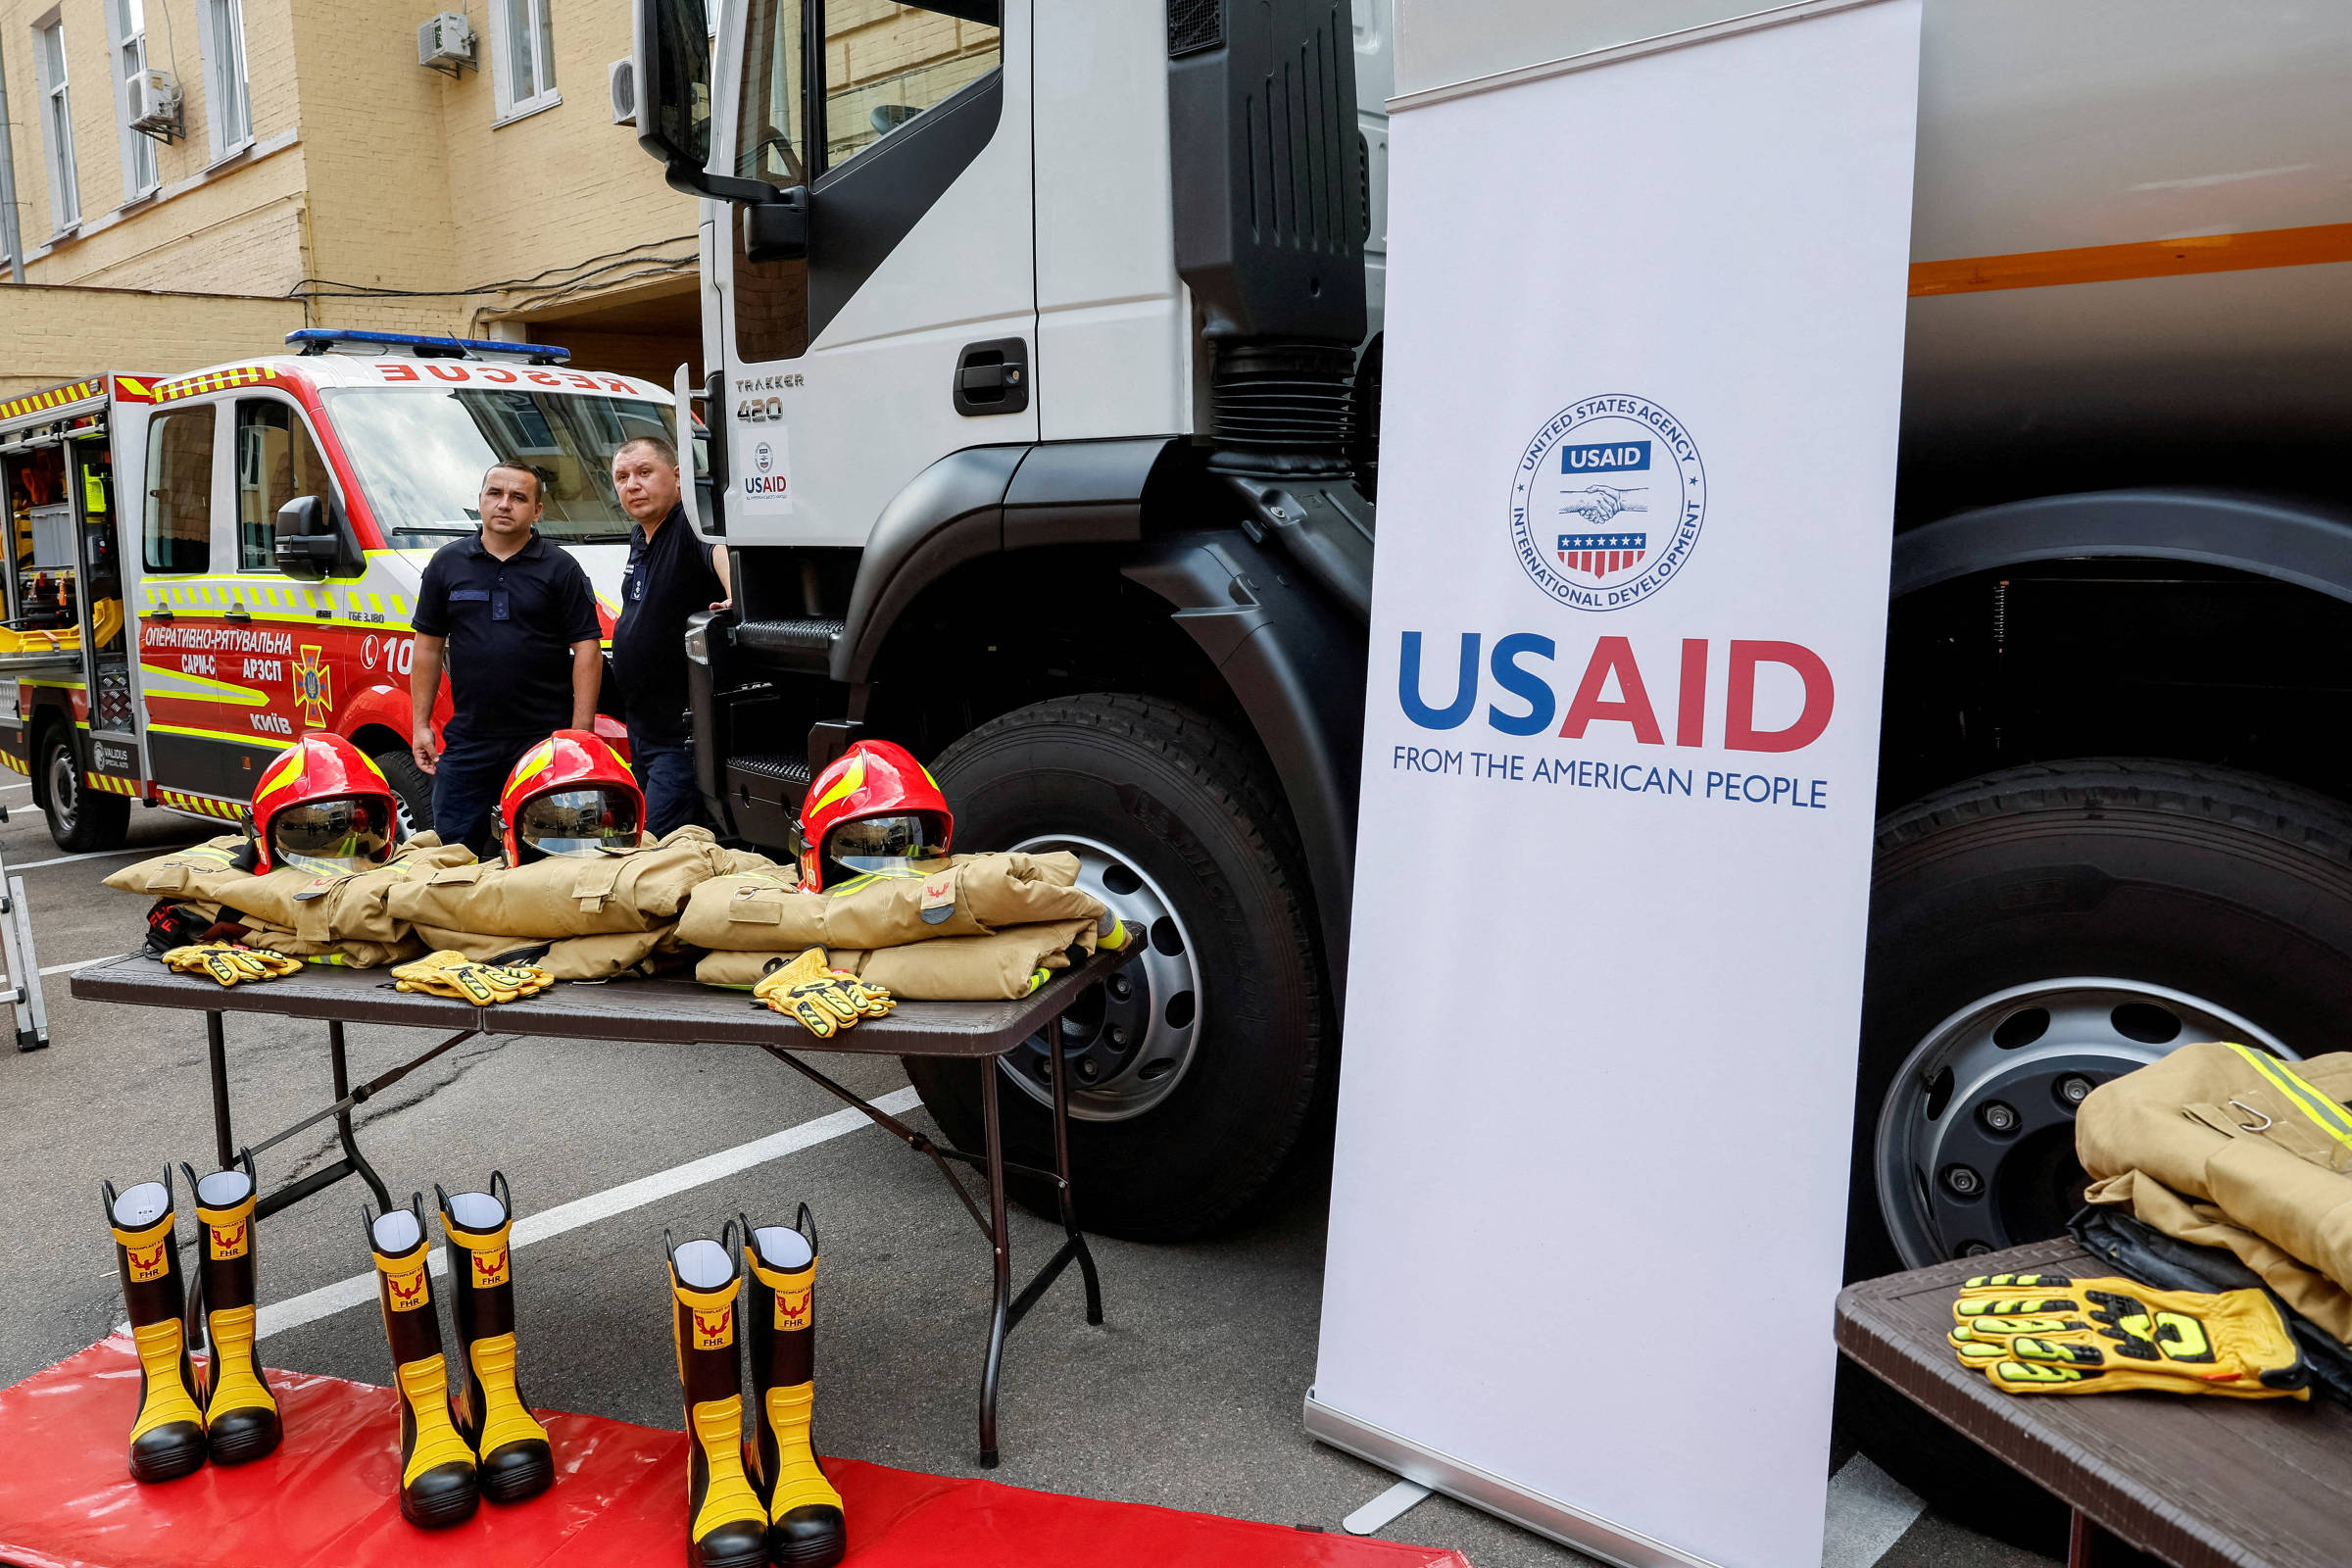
(126,30)
(179,491)
(418,457)
(277,461)
(522,57)
(884,64)
(228,111)
(56,126)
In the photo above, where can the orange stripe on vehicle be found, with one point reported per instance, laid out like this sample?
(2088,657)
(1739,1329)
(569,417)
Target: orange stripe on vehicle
(2158,258)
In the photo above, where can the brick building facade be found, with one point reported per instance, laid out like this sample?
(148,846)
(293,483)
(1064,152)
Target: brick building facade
(320,175)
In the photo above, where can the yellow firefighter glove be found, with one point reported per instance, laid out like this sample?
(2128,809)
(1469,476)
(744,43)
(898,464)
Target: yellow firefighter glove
(2050,1334)
(230,964)
(871,1002)
(792,989)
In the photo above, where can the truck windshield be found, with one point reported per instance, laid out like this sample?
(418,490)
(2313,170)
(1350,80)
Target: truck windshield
(421,457)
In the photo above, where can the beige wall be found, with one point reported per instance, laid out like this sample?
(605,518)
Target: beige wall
(57,334)
(367,173)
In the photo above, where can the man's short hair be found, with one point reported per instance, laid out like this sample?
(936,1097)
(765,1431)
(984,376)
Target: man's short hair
(654,444)
(538,479)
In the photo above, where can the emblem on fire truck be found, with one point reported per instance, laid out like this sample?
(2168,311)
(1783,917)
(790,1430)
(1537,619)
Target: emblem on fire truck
(313,689)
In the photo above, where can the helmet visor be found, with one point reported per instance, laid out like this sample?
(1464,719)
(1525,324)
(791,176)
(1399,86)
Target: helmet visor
(895,843)
(350,833)
(584,822)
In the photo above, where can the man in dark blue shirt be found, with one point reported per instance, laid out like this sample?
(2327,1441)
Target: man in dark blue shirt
(517,621)
(672,575)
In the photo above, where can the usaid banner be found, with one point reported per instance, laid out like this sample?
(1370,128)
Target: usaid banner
(1644,343)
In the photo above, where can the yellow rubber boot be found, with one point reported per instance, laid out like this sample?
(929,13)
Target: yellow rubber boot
(438,1483)
(804,1519)
(726,1523)
(167,1436)
(516,1458)
(240,1414)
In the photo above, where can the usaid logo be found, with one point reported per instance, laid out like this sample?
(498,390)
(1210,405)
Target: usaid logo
(1607,502)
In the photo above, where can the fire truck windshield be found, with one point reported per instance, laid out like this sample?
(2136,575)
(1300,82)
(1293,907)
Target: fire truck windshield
(421,457)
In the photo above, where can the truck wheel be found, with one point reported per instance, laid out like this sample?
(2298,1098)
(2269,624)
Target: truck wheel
(412,791)
(82,819)
(2032,934)
(1193,1069)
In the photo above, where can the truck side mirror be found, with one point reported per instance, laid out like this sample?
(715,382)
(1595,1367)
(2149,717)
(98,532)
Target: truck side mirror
(777,230)
(307,541)
(672,49)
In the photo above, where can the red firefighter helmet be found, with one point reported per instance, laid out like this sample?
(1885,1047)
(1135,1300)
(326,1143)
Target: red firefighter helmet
(571,794)
(874,808)
(324,807)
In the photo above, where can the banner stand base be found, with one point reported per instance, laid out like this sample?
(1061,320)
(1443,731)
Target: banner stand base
(1463,1482)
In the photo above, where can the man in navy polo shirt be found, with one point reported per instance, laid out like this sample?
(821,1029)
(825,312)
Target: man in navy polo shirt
(516,619)
(672,575)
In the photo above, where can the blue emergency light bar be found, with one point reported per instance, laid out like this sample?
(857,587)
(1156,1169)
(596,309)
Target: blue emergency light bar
(427,345)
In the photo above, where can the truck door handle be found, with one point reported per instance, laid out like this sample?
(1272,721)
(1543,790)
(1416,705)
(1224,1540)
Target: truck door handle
(238,613)
(993,377)
(159,613)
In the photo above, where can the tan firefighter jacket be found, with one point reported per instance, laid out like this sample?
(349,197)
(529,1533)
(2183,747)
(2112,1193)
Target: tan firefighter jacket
(572,896)
(2225,1146)
(319,909)
(970,895)
(1000,965)
(603,956)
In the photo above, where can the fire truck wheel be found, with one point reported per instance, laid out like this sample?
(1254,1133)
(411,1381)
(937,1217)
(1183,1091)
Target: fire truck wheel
(2034,933)
(1194,1071)
(412,791)
(80,819)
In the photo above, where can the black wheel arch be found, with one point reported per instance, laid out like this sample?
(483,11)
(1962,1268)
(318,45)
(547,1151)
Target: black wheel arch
(1124,545)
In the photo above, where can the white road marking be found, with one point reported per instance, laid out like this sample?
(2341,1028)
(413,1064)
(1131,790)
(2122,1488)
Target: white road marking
(1382,1511)
(100,855)
(5,788)
(360,1288)
(1869,1511)
(68,968)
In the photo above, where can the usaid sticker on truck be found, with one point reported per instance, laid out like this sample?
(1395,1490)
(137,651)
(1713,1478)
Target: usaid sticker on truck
(762,471)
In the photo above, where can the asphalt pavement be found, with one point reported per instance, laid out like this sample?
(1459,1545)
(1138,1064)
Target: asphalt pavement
(1189,1395)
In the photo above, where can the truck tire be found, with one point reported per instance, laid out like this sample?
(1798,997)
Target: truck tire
(82,819)
(2032,933)
(412,791)
(1193,1069)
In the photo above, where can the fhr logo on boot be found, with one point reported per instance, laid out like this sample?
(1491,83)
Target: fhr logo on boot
(490,1268)
(714,1330)
(407,1290)
(1602,543)
(231,1240)
(791,1304)
(149,1262)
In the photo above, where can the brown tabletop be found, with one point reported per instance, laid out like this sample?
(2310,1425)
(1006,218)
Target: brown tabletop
(654,1011)
(2195,1482)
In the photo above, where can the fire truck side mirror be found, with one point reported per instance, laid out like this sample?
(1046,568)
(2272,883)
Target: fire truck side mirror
(308,541)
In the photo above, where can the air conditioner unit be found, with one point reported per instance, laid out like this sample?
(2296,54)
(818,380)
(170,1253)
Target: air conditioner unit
(620,84)
(446,44)
(155,105)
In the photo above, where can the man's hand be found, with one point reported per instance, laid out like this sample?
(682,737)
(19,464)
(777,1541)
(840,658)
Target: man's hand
(421,747)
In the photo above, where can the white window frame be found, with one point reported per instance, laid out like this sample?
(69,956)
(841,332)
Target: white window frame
(534,14)
(128,53)
(226,83)
(57,124)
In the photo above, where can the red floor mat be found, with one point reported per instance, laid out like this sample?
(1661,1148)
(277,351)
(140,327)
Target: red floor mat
(330,1497)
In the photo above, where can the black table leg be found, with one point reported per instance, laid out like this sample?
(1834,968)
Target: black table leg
(217,1049)
(1062,1169)
(1001,1243)
(351,1149)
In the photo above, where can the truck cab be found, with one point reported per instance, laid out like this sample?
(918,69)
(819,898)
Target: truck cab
(254,532)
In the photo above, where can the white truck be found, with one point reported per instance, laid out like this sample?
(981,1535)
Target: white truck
(207,565)
(1046,349)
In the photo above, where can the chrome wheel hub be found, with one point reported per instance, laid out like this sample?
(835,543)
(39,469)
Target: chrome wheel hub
(1976,1137)
(1127,1042)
